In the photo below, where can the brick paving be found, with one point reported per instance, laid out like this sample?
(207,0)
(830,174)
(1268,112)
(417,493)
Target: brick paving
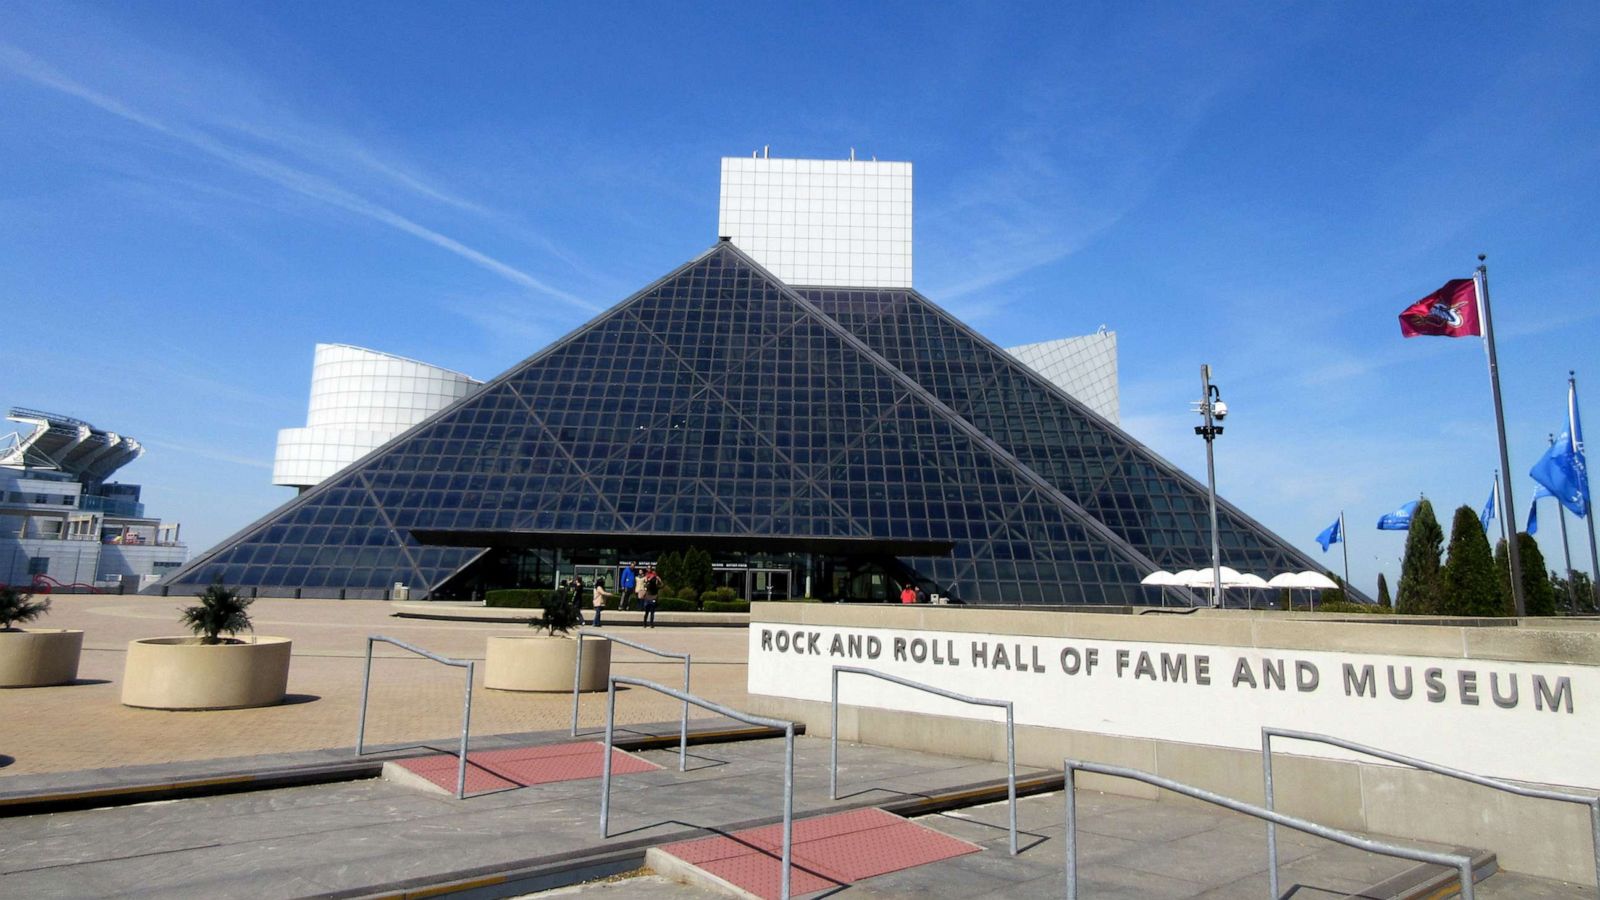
(85,726)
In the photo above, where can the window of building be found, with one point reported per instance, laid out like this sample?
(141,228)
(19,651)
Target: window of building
(38,565)
(163,566)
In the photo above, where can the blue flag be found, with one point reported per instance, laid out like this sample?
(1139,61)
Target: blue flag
(1330,535)
(1533,516)
(1489,505)
(1562,469)
(1400,519)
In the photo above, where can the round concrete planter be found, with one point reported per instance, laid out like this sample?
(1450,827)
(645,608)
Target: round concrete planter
(38,657)
(182,673)
(544,663)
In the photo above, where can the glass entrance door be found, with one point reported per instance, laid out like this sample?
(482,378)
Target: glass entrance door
(769,584)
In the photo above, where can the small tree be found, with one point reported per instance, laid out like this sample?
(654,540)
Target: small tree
(1419,568)
(1383,592)
(670,569)
(1333,594)
(1502,576)
(1538,595)
(19,609)
(697,570)
(1579,592)
(560,612)
(221,609)
(1471,587)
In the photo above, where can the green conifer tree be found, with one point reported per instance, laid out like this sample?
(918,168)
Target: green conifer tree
(1538,594)
(670,569)
(1383,592)
(1471,587)
(1419,568)
(1502,575)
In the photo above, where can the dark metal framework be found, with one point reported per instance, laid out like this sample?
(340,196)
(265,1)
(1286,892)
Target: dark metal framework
(720,403)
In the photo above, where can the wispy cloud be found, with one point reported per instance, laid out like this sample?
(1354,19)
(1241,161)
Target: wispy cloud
(212,453)
(282,174)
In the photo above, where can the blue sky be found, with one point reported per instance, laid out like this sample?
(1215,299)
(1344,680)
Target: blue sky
(195,194)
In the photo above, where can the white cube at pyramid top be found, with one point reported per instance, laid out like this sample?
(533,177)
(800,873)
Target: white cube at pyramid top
(820,222)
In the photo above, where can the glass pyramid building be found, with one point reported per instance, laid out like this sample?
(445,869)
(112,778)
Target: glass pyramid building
(847,440)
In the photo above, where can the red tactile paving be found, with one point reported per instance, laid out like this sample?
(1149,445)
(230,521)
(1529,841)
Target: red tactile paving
(493,770)
(828,851)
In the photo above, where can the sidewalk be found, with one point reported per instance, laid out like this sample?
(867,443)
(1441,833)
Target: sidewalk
(85,726)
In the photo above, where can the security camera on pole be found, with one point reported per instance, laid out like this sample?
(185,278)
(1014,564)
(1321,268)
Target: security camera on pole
(1214,410)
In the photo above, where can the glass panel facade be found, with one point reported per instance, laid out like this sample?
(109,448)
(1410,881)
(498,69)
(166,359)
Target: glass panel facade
(719,402)
(1147,502)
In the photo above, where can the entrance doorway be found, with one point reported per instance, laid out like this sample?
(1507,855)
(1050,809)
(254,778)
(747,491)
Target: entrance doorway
(768,584)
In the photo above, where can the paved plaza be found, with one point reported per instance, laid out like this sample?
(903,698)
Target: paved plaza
(84,725)
(358,835)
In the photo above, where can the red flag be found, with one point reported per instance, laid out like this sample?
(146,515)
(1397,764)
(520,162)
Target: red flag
(1451,311)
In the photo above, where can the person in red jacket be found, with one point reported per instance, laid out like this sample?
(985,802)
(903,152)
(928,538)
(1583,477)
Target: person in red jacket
(908,595)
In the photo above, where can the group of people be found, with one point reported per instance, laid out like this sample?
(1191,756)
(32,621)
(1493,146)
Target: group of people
(645,588)
(913,593)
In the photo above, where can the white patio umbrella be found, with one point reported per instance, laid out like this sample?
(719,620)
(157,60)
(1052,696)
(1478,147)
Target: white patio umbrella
(1305,581)
(1204,577)
(1316,581)
(1159,578)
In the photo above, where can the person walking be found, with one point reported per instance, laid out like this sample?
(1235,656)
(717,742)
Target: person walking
(626,583)
(599,601)
(652,591)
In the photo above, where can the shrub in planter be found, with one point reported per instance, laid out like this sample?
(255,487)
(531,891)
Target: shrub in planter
(733,606)
(689,594)
(208,671)
(17,608)
(221,609)
(673,604)
(544,662)
(35,657)
(561,613)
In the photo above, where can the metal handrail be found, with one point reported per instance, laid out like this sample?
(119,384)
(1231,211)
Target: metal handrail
(1268,733)
(466,712)
(788,757)
(1011,733)
(1461,863)
(577,670)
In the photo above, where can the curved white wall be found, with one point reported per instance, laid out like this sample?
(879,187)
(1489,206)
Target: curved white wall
(359,400)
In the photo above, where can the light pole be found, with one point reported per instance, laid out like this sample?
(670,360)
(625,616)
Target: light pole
(1214,411)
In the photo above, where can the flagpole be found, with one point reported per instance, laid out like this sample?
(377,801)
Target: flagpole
(1344,542)
(1481,281)
(1588,502)
(1566,549)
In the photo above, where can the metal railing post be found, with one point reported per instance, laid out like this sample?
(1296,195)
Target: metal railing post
(466,709)
(1011,772)
(577,676)
(605,771)
(1272,829)
(466,729)
(1268,733)
(683,721)
(1011,733)
(1462,863)
(683,724)
(833,741)
(788,806)
(1072,832)
(366,682)
(703,703)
